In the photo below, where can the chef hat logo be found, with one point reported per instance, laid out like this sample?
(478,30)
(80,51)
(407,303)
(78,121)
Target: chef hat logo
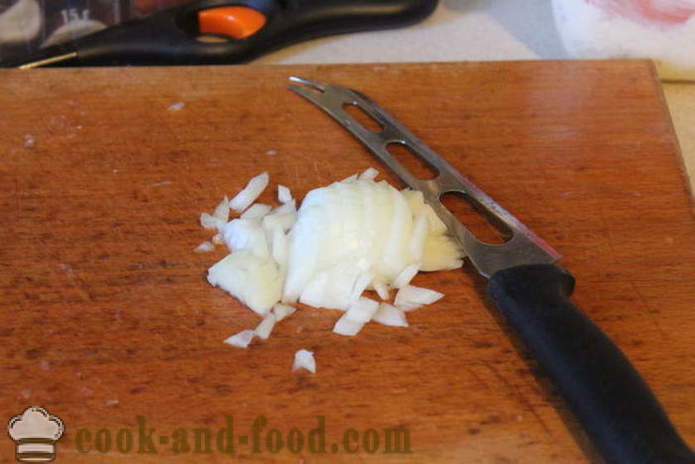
(35,432)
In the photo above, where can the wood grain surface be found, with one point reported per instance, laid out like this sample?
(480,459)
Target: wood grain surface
(109,324)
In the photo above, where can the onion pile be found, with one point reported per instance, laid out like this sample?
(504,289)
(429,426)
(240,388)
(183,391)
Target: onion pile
(349,237)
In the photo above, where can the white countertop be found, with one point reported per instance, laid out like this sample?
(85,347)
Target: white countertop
(458,30)
(476,30)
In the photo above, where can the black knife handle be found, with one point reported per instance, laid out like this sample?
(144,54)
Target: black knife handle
(613,403)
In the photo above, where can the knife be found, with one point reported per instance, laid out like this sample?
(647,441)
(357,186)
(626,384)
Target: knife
(618,411)
(225,31)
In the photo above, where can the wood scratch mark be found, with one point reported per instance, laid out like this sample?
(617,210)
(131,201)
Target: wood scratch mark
(477,378)
(297,177)
(648,312)
(18,201)
(520,397)
(607,234)
(316,170)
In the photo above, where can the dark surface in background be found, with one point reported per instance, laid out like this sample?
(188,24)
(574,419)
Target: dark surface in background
(75,18)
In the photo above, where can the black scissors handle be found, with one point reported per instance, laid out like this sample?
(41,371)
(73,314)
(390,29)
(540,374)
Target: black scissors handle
(172,37)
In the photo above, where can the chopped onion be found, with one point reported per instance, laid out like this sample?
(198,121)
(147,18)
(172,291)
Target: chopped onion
(347,237)
(250,193)
(347,327)
(210,222)
(222,210)
(416,202)
(281,311)
(241,339)
(362,310)
(256,211)
(284,194)
(265,326)
(406,275)
(381,289)
(304,359)
(416,246)
(284,220)
(361,284)
(337,214)
(246,234)
(255,281)
(369,174)
(341,283)
(390,315)
(313,292)
(441,253)
(204,247)
(217,239)
(287,207)
(280,247)
(409,297)
(394,257)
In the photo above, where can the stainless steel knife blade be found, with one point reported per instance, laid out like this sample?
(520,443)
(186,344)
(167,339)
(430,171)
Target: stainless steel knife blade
(522,247)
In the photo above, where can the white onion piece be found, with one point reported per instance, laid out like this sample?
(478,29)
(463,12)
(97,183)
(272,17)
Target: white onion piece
(390,315)
(204,247)
(255,281)
(362,310)
(246,234)
(217,239)
(406,276)
(285,220)
(288,207)
(437,226)
(304,359)
(416,202)
(222,210)
(210,222)
(265,326)
(282,311)
(341,282)
(284,194)
(241,339)
(335,227)
(369,174)
(409,297)
(369,225)
(280,248)
(394,257)
(381,289)
(305,242)
(441,253)
(256,211)
(361,283)
(313,292)
(378,210)
(416,245)
(347,327)
(250,193)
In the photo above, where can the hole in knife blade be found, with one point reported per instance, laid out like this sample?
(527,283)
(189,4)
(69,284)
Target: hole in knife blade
(411,161)
(362,117)
(479,222)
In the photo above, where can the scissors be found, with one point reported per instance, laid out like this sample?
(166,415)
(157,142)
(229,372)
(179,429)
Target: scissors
(225,31)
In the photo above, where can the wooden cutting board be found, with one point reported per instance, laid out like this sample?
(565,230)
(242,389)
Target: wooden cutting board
(109,324)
